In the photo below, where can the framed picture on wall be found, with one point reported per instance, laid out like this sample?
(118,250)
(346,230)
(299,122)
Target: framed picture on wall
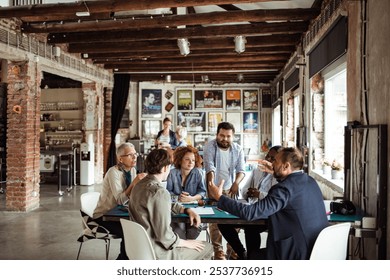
(201,139)
(233,99)
(184,99)
(194,121)
(251,99)
(251,144)
(251,122)
(214,119)
(235,119)
(208,99)
(237,139)
(151,103)
(150,128)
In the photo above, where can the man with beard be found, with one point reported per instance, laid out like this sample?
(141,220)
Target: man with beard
(294,207)
(223,162)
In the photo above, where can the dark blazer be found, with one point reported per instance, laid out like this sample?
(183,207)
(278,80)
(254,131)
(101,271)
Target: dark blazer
(296,214)
(172,138)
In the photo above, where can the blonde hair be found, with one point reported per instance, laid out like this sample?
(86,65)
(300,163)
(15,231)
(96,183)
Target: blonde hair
(181,132)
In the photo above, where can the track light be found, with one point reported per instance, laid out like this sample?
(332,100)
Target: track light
(240,77)
(168,78)
(85,13)
(205,79)
(184,46)
(239,44)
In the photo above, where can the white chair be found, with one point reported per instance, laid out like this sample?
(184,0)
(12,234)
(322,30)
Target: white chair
(332,243)
(91,229)
(137,242)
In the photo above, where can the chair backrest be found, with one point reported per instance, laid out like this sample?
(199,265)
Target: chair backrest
(332,243)
(137,242)
(89,202)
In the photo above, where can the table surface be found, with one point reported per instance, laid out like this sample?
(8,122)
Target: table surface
(219,217)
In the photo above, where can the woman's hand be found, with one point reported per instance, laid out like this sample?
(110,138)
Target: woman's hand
(186,197)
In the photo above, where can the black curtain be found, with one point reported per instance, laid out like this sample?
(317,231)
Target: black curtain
(120,93)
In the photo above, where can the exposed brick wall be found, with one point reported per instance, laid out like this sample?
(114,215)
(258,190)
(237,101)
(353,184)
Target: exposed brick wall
(23,136)
(318,115)
(107,124)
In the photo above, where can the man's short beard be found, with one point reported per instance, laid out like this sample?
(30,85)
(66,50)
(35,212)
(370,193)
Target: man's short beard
(222,146)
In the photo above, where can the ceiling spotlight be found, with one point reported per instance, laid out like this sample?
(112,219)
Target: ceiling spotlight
(240,77)
(239,44)
(184,46)
(205,79)
(168,78)
(84,13)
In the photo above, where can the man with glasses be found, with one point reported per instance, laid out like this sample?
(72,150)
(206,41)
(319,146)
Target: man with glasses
(255,188)
(117,185)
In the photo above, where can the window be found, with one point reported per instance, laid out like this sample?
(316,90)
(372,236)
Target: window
(335,113)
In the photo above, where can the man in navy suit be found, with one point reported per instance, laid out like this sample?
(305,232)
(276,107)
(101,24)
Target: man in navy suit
(294,208)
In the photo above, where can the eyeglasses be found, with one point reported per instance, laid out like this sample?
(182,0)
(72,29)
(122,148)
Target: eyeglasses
(131,155)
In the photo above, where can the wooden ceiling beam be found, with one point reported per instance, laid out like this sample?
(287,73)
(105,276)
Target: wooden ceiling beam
(209,59)
(170,33)
(65,9)
(199,44)
(126,54)
(201,67)
(188,78)
(174,21)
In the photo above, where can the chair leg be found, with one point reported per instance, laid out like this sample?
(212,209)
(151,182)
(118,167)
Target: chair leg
(78,254)
(107,247)
(208,239)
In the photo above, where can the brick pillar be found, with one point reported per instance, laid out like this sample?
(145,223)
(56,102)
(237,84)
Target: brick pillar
(23,113)
(107,124)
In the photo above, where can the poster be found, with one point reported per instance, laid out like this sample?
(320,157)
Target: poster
(251,101)
(235,120)
(200,140)
(214,119)
(151,103)
(208,99)
(233,99)
(251,122)
(150,128)
(184,99)
(251,144)
(194,122)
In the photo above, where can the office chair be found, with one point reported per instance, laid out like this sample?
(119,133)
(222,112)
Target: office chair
(91,229)
(332,243)
(137,243)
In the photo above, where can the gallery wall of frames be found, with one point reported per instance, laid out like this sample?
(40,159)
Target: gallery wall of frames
(201,110)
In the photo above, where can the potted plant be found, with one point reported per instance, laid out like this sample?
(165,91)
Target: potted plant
(326,167)
(337,170)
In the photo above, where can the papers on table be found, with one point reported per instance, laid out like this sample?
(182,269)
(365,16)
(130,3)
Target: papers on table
(190,202)
(203,210)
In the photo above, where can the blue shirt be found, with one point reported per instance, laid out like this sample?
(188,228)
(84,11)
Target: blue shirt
(195,183)
(212,160)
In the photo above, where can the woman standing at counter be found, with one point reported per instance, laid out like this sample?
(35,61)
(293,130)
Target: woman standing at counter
(166,137)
